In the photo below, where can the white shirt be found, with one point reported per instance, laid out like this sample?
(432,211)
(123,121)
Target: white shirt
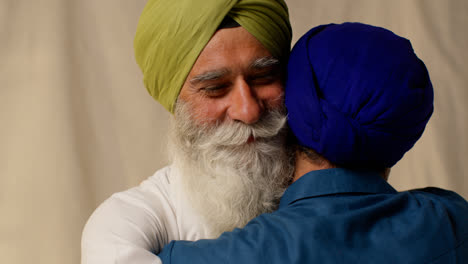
(131,226)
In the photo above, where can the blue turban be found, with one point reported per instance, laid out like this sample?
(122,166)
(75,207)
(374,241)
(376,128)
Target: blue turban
(357,94)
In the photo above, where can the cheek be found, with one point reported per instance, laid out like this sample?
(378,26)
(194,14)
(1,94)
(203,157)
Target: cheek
(203,109)
(208,110)
(272,95)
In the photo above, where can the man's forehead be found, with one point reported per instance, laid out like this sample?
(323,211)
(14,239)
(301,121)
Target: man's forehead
(230,39)
(229,48)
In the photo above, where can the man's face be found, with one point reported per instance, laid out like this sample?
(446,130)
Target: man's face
(232,96)
(234,78)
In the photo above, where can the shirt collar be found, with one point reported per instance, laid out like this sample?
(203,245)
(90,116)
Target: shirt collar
(333,181)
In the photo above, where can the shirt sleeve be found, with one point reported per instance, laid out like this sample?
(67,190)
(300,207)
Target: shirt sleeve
(258,242)
(423,226)
(131,226)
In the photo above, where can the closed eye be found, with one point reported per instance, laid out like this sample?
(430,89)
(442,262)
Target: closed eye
(214,90)
(264,71)
(264,77)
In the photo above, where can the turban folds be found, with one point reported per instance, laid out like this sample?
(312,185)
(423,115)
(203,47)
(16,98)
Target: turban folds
(172,33)
(357,94)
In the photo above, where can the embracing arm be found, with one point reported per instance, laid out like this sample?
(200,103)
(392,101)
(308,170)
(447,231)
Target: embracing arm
(260,241)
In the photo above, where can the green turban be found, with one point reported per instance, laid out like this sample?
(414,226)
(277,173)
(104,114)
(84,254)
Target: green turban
(172,33)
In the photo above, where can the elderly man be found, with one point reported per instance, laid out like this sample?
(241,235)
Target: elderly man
(218,66)
(358,98)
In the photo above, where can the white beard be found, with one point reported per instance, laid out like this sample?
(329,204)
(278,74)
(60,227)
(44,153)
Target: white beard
(227,180)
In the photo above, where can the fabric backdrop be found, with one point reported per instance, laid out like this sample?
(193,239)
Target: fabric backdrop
(76,123)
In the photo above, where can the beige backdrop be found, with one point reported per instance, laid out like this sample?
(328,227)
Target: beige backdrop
(76,123)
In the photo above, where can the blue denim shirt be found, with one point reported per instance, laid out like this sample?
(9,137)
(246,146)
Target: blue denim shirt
(342,216)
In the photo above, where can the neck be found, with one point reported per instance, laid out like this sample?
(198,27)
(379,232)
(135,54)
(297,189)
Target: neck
(305,165)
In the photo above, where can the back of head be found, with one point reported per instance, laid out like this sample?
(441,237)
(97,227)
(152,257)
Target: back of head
(357,94)
(172,33)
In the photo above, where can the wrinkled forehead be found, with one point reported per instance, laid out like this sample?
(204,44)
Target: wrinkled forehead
(231,48)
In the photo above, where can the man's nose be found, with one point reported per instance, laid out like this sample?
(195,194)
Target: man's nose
(245,106)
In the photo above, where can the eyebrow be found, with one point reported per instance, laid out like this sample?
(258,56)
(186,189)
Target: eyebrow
(264,62)
(257,64)
(209,76)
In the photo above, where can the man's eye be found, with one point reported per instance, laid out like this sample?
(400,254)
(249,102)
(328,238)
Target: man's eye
(263,79)
(214,91)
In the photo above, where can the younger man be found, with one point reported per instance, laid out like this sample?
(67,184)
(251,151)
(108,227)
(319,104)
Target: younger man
(358,98)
